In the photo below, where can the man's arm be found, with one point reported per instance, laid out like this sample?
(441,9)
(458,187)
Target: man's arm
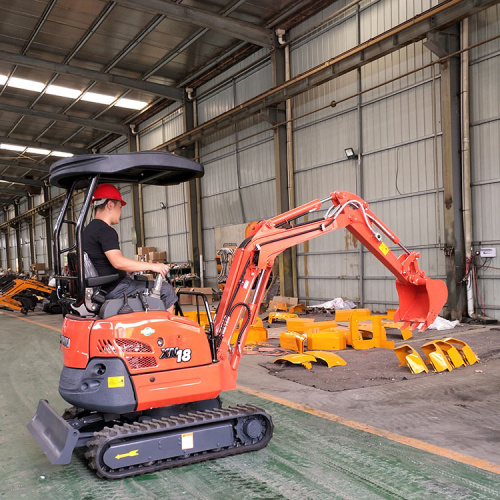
(119,261)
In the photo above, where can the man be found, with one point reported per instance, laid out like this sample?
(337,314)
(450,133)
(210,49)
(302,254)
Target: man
(100,242)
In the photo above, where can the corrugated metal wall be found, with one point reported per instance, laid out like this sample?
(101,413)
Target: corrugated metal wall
(239,182)
(485,152)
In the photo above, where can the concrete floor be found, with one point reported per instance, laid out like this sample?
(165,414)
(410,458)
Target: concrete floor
(422,437)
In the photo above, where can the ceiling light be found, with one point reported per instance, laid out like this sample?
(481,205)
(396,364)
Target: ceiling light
(38,151)
(130,103)
(63,91)
(12,147)
(350,154)
(98,98)
(61,154)
(21,83)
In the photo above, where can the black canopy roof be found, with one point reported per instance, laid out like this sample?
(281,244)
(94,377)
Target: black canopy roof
(145,167)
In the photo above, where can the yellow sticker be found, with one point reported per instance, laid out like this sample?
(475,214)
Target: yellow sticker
(132,453)
(187,441)
(116,382)
(384,248)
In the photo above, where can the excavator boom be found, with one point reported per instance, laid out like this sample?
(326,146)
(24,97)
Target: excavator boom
(420,298)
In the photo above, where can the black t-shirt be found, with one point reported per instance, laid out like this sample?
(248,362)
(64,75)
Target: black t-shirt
(99,237)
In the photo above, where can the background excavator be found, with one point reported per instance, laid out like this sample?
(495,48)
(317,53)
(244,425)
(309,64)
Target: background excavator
(145,384)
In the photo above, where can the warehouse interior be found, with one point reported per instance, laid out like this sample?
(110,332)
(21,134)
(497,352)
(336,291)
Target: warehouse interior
(283,104)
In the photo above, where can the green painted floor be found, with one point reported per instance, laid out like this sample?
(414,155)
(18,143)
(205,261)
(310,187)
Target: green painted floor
(308,456)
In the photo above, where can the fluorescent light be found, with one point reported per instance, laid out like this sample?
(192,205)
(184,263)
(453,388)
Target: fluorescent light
(38,151)
(130,103)
(3,79)
(98,98)
(12,147)
(21,83)
(63,91)
(61,154)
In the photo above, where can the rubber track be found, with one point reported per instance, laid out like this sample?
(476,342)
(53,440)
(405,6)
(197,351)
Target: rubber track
(102,440)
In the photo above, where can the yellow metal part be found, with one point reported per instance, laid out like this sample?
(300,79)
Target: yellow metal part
(293,341)
(330,358)
(464,349)
(277,306)
(200,317)
(357,340)
(298,359)
(255,335)
(406,333)
(298,324)
(411,358)
(345,314)
(299,308)
(452,353)
(280,316)
(436,357)
(331,339)
(318,326)
(390,314)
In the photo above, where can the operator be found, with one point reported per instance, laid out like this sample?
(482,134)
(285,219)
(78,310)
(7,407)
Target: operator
(100,242)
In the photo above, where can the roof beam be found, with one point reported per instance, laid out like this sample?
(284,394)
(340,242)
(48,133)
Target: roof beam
(44,145)
(122,81)
(22,181)
(229,26)
(95,124)
(415,29)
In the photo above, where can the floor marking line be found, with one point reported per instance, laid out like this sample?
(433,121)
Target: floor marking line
(31,321)
(414,443)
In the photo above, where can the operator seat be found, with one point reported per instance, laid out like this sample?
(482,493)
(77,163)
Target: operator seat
(95,302)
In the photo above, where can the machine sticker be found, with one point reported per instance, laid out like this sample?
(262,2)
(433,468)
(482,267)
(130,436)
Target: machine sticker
(182,355)
(384,248)
(187,441)
(132,453)
(116,382)
(147,331)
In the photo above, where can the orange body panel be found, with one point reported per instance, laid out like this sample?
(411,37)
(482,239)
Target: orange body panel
(77,331)
(183,386)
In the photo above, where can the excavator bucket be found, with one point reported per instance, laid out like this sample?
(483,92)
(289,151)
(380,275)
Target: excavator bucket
(468,355)
(411,358)
(54,435)
(420,304)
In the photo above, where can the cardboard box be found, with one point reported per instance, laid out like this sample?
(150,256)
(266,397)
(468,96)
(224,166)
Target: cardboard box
(185,299)
(39,266)
(145,250)
(209,293)
(157,256)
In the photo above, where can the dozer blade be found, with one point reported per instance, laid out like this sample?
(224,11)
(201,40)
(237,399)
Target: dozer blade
(420,304)
(54,435)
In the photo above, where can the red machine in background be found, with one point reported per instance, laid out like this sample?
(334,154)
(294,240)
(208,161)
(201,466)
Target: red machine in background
(145,385)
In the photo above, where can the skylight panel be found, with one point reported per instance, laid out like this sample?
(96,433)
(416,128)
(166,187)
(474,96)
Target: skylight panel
(63,91)
(98,98)
(38,151)
(130,103)
(3,79)
(13,147)
(21,83)
(61,154)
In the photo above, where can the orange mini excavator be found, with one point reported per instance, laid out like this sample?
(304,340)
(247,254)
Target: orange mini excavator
(145,384)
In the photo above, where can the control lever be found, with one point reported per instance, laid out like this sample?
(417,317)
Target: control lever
(156,291)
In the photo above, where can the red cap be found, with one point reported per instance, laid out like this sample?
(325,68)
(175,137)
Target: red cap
(107,192)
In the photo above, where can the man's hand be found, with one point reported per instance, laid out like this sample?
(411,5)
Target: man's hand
(159,268)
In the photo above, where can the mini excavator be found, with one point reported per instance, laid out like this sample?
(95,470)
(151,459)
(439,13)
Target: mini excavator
(21,294)
(145,384)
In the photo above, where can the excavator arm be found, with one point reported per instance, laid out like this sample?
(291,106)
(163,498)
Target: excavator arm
(420,298)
